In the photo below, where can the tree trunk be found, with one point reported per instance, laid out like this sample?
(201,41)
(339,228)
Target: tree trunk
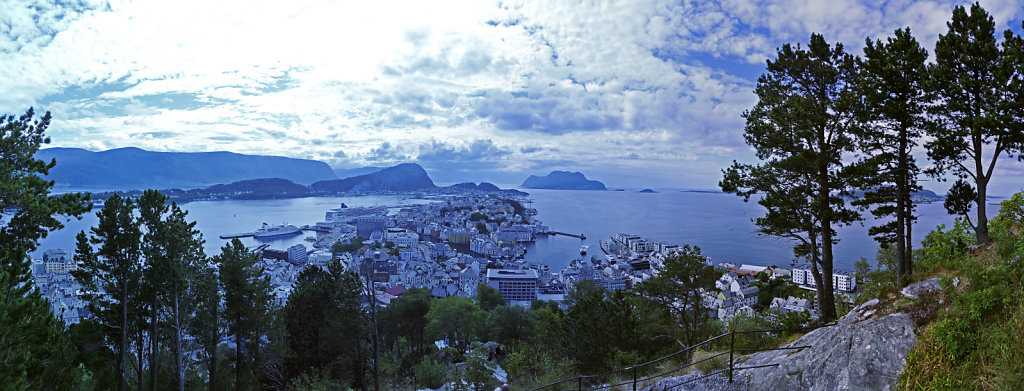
(124,335)
(238,359)
(910,242)
(981,230)
(902,193)
(178,365)
(153,364)
(213,352)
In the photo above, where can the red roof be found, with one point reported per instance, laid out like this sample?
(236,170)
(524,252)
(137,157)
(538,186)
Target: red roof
(397,290)
(748,272)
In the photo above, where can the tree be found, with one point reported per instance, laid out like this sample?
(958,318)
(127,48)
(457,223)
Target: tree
(802,125)
(246,305)
(977,87)
(35,351)
(892,82)
(324,324)
(206,322)
(600,327)
(679,286)
(488,298)
(510,324)
(405,318)
(110,274)
(455,318)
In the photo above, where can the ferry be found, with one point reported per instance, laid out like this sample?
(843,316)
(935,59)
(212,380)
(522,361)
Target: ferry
(276,230)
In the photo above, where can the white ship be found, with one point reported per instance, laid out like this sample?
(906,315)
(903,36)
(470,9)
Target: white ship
(276,230)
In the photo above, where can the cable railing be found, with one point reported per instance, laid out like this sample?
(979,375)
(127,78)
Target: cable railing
(637,378)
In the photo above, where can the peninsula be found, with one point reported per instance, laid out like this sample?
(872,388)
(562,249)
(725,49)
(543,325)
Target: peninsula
(562,180)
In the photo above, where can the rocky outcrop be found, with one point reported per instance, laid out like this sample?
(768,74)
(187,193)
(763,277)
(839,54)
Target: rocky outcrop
(865,350)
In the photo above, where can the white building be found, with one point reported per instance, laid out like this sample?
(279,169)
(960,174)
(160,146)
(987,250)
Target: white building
(843,281)
(403,239)
(57,261)
(297,254)
(514,285)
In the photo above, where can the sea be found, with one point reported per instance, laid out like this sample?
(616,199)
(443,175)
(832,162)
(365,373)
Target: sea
(719,224)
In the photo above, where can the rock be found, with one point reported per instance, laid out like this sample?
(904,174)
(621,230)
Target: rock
(860,352)
(914,289)
(687,383)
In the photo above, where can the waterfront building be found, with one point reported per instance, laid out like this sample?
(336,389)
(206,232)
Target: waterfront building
(297,254)
(367,225)
(844,281)
(514,285)
(57,261)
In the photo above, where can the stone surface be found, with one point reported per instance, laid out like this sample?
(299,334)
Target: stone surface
(687,383)
(861,352)
(913,290)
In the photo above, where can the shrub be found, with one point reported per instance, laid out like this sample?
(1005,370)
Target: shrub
(926,308)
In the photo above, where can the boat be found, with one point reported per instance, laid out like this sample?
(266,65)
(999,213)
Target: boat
(583,249)
(269,231)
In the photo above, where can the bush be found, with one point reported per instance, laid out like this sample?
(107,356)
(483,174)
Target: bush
(926,308)
(430,373)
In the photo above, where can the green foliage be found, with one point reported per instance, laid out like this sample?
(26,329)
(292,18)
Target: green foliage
(945,249)
(324,323)
(477,216)
(482,228)
(510,324)
(1007,228)
(430,373)
(975,84)
(247,308)
(488,298)
(804,122)
(769,288)
(35,351)
(679,286)
(458,319)
(874,283)
(351,246)
(315,380)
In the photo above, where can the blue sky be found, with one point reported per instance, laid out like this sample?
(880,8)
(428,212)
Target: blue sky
(638,93)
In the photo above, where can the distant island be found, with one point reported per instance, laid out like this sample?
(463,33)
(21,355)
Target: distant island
(562,180)
(647,191)
(403,177)
(139,168)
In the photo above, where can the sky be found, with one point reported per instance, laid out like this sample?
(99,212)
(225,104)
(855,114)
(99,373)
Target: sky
(635,93)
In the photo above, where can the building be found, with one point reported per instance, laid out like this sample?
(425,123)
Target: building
(57,261)
(367,225)
(514,285)
(515,233)
(843,281)
(402,239)
(297,254)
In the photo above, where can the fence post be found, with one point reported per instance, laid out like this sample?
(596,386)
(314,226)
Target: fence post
(732,347)
(634,378)
(579,383)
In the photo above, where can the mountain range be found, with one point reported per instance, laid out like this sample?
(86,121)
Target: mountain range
(134,167)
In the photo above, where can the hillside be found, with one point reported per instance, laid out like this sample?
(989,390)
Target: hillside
(256,189)
(138,168)
(562,180)
(405,176)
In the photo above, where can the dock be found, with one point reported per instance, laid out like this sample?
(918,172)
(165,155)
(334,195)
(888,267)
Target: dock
(238,235)
(553,233)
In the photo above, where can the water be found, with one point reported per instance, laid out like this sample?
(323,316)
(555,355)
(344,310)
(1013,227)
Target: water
(215,218)
(720,224)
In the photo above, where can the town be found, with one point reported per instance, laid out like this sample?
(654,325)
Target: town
(459,241)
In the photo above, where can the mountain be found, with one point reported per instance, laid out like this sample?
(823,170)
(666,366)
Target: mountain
(405,176)
(256,189)
(351,172)
(562,180)
(483,186)
(647,191)
(134,167)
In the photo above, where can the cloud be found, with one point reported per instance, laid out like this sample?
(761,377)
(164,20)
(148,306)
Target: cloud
(512,85)
(484,149)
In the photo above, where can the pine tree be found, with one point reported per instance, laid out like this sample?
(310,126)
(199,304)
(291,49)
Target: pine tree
(206,322)
(35,352)
(247,304)
(892,78)
(976,84)
(110,274)
(802,125)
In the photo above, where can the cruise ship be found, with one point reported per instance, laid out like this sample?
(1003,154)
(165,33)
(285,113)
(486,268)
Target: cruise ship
(276,230)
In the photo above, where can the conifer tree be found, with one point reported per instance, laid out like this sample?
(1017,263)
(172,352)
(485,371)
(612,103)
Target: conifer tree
(247,304)
(110,274)
(976,83)
(206,322)
(892,77)
(802,125)
(35,351)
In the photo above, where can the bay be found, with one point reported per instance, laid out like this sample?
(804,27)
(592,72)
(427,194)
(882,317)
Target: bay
(720,224)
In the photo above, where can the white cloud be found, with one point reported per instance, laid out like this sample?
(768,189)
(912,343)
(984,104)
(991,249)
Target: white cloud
(535,84)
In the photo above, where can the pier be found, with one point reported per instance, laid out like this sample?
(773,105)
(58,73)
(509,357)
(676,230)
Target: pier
(248,234)
(553,233)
